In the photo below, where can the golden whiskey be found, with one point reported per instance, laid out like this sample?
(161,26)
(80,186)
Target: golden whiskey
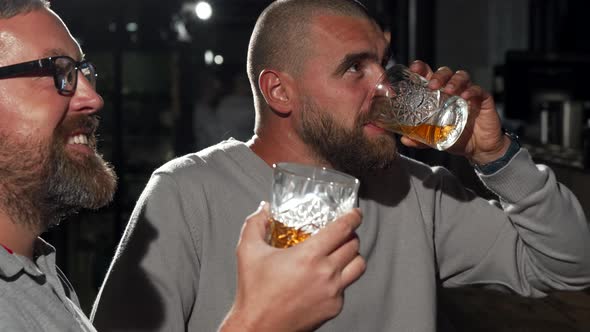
(426,133)
(282,236)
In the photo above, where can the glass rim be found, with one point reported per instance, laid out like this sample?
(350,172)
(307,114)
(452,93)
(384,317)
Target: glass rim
(341,177)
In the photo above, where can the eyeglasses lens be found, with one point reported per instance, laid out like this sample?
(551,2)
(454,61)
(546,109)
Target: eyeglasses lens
(65,74)
(89,72)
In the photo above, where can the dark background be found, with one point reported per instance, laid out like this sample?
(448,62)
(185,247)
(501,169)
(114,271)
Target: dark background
(152,76)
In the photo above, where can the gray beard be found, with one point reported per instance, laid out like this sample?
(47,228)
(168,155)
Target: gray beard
(40,184)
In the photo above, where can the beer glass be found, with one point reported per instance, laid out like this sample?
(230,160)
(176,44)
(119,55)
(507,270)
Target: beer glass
(305,199)
(402,103)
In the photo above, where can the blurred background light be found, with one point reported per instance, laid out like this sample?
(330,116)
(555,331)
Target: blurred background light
(203,10)
(209,57)
(181,31)
(132,27)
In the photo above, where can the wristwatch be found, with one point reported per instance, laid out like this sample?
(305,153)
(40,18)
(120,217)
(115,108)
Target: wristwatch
(494,166)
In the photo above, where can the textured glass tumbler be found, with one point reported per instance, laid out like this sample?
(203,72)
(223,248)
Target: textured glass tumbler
(402,103)
(305,199)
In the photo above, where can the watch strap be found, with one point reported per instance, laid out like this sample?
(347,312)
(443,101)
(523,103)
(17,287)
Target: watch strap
(496,165)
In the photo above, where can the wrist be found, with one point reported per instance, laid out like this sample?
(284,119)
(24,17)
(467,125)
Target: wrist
(509,149)
(487,157)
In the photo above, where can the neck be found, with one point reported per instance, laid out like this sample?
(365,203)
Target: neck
(283,145)
(18,237)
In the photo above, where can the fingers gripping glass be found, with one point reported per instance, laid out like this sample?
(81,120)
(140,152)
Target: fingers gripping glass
(63,68)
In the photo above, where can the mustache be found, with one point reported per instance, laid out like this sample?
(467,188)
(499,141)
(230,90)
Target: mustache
(89,123)
(86,123)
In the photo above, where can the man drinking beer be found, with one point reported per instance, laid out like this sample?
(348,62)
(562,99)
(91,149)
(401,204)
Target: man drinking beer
(312,65)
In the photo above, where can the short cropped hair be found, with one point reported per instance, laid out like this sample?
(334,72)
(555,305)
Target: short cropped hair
(280,37)
(10,8)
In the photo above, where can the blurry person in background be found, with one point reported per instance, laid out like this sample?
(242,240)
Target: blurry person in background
(235,112)
(49,167)
(205,123)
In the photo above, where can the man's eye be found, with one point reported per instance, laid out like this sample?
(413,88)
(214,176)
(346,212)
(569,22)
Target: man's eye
(355,67)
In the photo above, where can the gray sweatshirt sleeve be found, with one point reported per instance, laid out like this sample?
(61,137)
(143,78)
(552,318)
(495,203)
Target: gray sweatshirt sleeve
(151,284)
(534,240)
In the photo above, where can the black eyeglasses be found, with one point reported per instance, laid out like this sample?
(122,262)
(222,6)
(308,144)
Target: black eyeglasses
(63,68)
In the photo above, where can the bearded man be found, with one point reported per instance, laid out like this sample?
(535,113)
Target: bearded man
(313,65)
(49,167)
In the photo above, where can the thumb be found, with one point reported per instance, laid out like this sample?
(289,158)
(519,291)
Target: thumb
(256,225)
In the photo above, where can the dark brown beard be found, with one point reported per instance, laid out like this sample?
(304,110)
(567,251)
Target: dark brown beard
(347,150)
(40,184)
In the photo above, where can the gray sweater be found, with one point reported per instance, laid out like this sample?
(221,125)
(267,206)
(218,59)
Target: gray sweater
(175,269)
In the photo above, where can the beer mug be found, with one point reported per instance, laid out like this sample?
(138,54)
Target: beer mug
(305,199)
(402,103)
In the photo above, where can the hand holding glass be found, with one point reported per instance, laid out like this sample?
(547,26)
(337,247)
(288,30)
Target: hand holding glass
(305,199)
(403,103)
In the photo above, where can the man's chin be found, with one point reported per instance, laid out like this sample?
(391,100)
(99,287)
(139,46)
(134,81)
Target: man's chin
(82,180)
(379,141)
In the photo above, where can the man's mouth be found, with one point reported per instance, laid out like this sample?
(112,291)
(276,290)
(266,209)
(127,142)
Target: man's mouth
(81,143)
(373,126)
(79,139)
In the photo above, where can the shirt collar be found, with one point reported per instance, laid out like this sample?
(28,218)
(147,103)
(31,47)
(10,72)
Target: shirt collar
(12,264)
(7,249)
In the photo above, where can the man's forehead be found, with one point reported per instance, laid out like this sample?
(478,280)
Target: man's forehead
(37,34)
(343,25)
(349,31)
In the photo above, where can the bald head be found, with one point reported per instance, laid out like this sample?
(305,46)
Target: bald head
(280,39)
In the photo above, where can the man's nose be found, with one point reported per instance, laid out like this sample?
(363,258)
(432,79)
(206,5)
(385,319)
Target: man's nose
(85,97)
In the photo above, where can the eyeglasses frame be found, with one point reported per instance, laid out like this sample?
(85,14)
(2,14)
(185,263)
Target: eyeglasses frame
(30,67)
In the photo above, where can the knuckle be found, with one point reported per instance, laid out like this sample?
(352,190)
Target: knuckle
(333,291)
(356,244)
(333,307)
(444,69)
(418,63)
(362,265)
(358,267)
(307,259)
(344,226)
(463,73)
(476,88)
(326,271)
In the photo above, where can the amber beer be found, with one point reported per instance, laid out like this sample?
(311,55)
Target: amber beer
(282,236)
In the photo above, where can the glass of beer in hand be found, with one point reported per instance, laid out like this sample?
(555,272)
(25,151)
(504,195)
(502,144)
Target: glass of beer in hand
(402,103)
(305,199)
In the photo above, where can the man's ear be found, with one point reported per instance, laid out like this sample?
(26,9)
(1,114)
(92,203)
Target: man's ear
(277,90)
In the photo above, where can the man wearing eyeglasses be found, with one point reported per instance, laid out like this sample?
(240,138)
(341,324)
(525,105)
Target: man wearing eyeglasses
(49,167)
